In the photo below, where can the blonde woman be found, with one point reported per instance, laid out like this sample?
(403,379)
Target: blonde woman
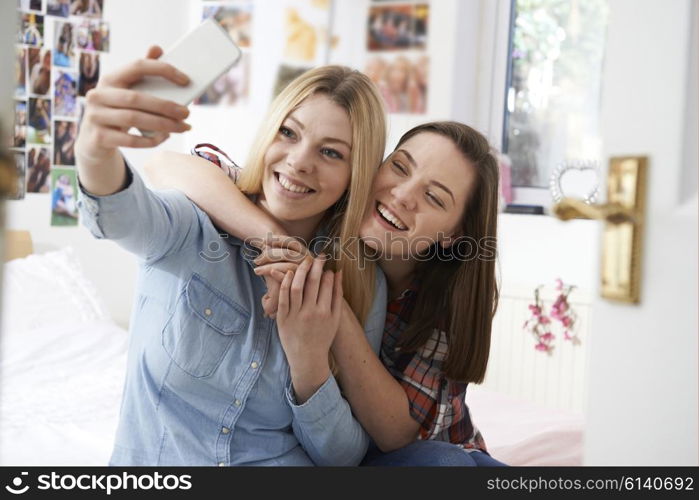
(211,380)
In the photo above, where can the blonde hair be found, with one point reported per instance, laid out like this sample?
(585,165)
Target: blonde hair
(357,95)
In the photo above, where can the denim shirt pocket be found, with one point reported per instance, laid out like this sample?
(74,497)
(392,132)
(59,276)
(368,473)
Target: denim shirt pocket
(202,328)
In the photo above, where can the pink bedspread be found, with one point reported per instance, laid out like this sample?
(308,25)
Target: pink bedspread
(522,433)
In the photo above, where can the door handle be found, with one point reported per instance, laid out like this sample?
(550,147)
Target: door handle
(623,217)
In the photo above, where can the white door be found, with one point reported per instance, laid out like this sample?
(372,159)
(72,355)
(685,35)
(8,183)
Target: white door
(642,359)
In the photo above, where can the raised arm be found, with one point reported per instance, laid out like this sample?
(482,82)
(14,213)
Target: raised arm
(213,191)
(377,398)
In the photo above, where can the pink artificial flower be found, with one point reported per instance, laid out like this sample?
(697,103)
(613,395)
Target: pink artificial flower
(536,310)
(547,337)
(566,335)
(544,320)
(566,321)
(559,284)
(542,347)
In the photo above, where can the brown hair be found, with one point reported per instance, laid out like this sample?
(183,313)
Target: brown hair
(465,309)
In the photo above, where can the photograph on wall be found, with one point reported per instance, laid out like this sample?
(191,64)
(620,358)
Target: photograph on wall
(65,93)
(231,88)
(39,121)
(19,139)
(38,169)
(235,18)
(39,69)
(64,45)
(402,80)
(397,26)
(20,72)
(92,35)
(58,8)
(285,74)
(31,5)
(301,37)
(21,172)
(89,72)
(86,8)
(31,29)
(64,142)
(64,191)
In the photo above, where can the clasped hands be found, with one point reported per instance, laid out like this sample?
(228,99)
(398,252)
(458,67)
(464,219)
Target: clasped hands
(305,300)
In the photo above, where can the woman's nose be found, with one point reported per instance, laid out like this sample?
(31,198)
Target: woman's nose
(300,158)
(404,194)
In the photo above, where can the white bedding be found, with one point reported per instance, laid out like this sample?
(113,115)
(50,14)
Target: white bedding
(518,432)
(60,393)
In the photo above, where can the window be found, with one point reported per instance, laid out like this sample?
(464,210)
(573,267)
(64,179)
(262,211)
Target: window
(554,80)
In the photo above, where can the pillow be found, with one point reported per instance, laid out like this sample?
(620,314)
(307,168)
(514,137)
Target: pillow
(48,289)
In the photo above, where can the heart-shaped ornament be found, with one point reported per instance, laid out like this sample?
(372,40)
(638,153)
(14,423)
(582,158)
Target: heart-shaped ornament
(578,179)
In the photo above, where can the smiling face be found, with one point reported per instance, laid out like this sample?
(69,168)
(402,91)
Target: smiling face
(419,196)
(307,166)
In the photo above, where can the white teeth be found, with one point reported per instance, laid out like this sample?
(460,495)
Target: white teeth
(289,186)
(391,218)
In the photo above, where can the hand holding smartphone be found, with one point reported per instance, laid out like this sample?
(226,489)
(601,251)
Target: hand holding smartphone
(204,54)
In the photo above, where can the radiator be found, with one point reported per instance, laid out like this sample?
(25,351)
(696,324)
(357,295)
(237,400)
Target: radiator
(556,380)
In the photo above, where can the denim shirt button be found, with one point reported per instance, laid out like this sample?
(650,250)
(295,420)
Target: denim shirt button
(254,365)
(221,464)
(207,311)
(237,402)
(225,430)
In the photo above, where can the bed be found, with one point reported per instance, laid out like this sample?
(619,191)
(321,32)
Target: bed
(63,362)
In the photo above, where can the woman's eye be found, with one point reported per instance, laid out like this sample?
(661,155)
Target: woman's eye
(286,131)
(331,153)
(435,200)
(399,167)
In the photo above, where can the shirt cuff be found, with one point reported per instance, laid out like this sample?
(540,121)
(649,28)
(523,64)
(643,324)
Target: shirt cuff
(92,206)
(319,405)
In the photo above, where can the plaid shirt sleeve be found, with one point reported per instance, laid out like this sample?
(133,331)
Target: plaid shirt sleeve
(436,402)
(218,157)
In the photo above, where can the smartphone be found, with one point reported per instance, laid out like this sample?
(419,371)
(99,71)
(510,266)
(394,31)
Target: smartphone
(204,54)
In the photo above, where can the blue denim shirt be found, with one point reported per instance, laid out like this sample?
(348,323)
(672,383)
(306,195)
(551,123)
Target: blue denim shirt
(207,381)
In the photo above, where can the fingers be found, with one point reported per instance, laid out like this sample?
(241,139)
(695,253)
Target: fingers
(127,118)
(112,138)
(297,286)
(310,291)
(281,267)
(130,99)
(337,296)
(289,242)
(325,293)
(270,302)
(137,70)
(284,296)
(276,254)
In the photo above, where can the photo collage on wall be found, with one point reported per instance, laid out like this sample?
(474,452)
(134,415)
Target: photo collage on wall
(233,87)
(306,39)
(397,59)
(57,61)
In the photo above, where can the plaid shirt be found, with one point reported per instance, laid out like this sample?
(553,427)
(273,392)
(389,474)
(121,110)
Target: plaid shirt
(436,402)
